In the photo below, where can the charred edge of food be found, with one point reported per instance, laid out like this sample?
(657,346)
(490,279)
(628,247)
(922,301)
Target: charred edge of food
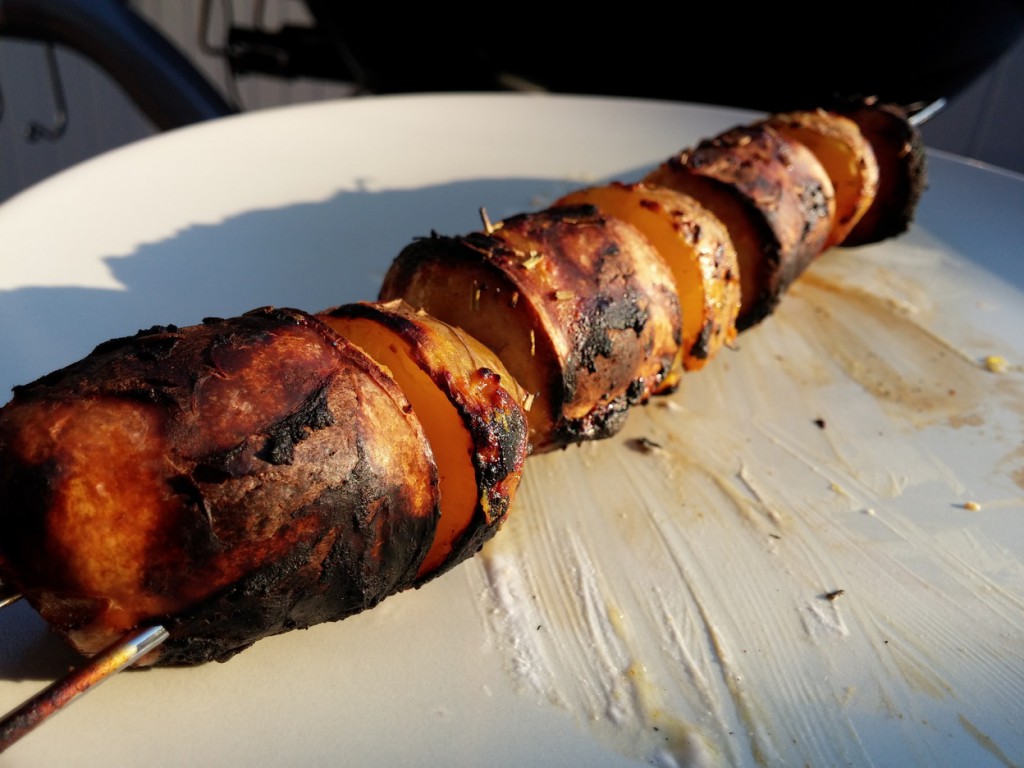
(155,344)
(761,299)
(766,147)
(903,171)
(599,424)
(775,269)
(847,156)
(282,437)
(498,462)
(496,263)
(495,421)
(497,426)
(697,248)
(702,344)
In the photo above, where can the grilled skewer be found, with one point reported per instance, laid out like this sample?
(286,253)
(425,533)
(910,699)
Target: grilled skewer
(584,377)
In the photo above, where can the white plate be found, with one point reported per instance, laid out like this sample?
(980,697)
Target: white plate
(640,608)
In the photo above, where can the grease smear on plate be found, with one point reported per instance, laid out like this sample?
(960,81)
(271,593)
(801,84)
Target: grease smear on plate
(797,558)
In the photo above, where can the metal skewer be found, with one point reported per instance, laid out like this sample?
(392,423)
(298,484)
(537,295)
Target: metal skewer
(8,596)
(124,653)
(922,113)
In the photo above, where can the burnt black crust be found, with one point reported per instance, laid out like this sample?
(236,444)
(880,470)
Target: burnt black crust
(283,436)
(625,312)
(599,424)
(300,590)
(500,436)
(699,348)
(603,314)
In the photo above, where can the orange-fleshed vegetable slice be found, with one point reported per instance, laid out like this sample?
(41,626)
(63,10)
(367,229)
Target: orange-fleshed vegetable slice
(774,197)
(578,305)
(470,408)
(846,156)
(696,246)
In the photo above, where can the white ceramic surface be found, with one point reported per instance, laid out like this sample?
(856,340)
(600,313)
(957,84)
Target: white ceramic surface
(664,607)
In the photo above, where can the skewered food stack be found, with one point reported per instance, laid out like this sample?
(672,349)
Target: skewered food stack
(578,305)
(236,479)
(256,474)
(697,248)
(899,151)
(775,199)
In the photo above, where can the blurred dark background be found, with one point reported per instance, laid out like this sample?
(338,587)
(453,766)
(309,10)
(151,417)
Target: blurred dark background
(259,54)
(768,56)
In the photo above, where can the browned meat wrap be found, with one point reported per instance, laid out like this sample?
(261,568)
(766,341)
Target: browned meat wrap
(775,199)
(578,305)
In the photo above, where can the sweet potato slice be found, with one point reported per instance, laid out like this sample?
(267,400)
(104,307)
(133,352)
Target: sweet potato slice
(774,197)
(903,174)
(230,480)
(845,154)
(578,306)
(471,410)
(697,248)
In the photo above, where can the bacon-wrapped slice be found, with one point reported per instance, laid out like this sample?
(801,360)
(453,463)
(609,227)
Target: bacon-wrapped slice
(230,481)
(579,306)
(471,410)
(775,199)
(902,169)
(845,154)
(697,248)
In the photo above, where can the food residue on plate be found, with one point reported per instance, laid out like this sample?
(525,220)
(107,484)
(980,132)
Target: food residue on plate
(679,583)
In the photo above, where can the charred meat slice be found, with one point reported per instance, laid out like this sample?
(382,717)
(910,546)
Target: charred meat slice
(579,306)
(775,199)
(697,248)
(845,154)
(230,481)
